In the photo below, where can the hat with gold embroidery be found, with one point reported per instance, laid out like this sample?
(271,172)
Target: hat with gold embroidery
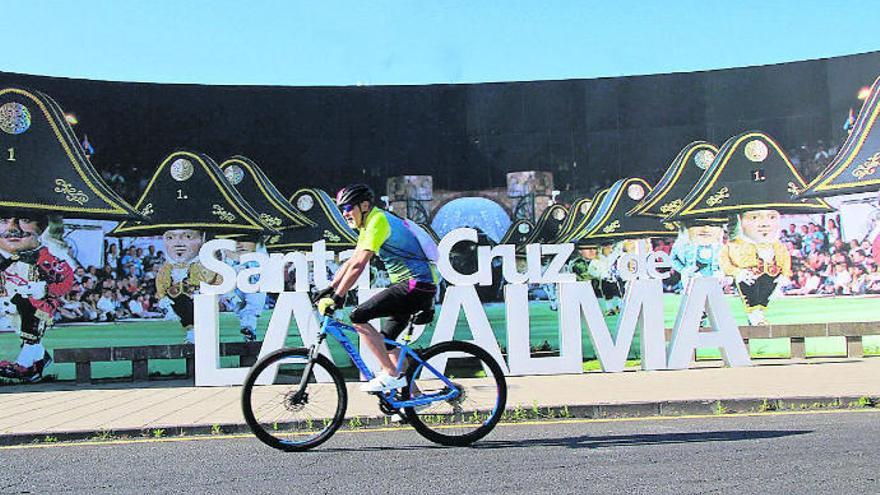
(188,191)
(681,176)
(518,233)
(856,168)
(579,216)
(610,221)
(751,172)
(549,225)
(326,222)
(44,168)
(271,206)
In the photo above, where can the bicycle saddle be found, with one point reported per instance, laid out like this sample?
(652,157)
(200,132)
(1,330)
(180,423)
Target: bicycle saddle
(423,317)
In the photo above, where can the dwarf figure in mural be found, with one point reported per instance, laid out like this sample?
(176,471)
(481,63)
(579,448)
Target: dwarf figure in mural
(604,269)
(756,260)
(580,266)
(189,199)
(275,211)
(45,175)
(246,306)
(181,274)
(695,251)
(753,181)
(35,273)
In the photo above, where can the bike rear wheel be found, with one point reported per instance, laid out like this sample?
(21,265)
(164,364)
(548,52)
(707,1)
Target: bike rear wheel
(467,417)
(285,419)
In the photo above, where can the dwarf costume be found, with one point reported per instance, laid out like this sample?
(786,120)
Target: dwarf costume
(610,225)
(274,210)
(696,249)
(603,269)
(753,181)
(189,198)
(46,175)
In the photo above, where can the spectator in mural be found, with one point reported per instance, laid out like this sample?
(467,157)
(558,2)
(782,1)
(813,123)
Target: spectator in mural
(151,258)
(36,274)
(695,251)
(111,258)
(833,232)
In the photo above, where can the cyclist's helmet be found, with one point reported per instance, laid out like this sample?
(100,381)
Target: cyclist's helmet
(353,194)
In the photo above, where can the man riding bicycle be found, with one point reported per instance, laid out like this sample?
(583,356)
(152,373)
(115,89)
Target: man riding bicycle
(413,276)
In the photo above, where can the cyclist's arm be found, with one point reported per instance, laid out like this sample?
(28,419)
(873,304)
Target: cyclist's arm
(374,233)
(351,271)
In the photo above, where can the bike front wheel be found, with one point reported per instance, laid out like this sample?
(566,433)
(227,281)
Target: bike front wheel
(468,415)
(285,417)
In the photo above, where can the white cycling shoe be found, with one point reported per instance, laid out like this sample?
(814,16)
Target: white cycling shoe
(383,382)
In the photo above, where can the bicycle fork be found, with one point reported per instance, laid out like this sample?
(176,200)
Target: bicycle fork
(310,364)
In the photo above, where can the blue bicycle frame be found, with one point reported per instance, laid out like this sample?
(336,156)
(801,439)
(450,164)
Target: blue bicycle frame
(337,330)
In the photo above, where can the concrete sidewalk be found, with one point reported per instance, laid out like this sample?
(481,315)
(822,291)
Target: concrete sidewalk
(63,411)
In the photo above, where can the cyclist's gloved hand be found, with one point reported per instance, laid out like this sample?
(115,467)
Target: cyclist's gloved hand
(328,292)
(328,305)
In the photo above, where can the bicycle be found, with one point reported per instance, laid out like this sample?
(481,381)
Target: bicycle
(295,399)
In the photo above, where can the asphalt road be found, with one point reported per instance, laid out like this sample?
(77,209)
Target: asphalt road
(779,453)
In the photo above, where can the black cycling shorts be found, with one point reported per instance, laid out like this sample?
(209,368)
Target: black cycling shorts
(396,303)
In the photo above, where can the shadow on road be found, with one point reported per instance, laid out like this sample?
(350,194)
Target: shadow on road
(593,442)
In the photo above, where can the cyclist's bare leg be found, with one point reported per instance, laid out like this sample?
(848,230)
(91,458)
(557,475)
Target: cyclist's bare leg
(376,345)
(395,358)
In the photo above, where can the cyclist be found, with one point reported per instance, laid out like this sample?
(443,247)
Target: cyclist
(399,245)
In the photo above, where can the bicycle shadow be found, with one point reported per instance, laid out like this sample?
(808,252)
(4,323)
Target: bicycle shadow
(597,442)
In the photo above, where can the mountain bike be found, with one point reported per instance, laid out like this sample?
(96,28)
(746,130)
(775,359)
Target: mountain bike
(295,399)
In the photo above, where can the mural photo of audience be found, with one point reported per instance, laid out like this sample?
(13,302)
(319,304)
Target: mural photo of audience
(824,263)
(124,288)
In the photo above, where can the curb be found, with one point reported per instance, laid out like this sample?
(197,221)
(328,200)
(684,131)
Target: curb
(719,407)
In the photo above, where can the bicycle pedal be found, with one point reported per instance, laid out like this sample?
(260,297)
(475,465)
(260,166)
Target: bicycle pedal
(399,418)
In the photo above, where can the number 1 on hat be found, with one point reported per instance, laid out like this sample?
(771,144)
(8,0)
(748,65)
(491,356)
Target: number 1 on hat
(11,157)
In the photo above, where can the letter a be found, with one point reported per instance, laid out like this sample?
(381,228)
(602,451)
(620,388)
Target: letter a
(704,294)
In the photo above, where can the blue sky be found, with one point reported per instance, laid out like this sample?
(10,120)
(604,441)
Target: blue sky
(408,42)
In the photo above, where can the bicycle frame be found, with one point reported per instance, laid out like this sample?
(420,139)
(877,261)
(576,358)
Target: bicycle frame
(337,330)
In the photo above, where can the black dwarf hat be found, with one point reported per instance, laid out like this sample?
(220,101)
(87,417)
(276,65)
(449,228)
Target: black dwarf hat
(856,168)
(579,215)
(271,206)
(611,223)
(518,233)
(326,221)
(188,191)
(549,225)
(750,172)
(681,176)
(44,168)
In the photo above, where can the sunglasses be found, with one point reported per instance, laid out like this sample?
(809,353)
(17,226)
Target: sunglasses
(346,208)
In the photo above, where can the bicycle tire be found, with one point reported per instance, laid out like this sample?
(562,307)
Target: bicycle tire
(296,435)
(460,427)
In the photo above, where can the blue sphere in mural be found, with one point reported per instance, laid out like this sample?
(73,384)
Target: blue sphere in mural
(480,213)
